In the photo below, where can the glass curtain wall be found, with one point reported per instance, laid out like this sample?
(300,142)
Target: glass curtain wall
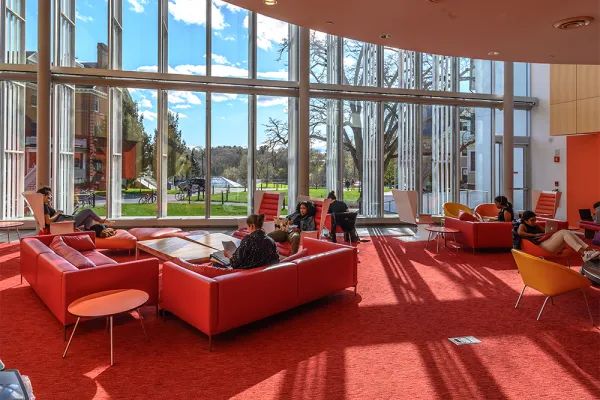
(171,147)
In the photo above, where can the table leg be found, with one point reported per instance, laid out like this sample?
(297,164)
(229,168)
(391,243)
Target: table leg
(455,245)
(106,324)
(18,234)
(8,233)
(428,238)
(142,321)
(137,252)
(112,360)
(71,338)
(437,247)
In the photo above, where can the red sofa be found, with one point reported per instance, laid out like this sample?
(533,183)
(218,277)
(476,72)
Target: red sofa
(481,235)
(216,305)
(58,283)
(590,228)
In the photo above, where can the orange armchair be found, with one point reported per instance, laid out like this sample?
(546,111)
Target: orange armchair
(549,278)
(487,210)
(452,209)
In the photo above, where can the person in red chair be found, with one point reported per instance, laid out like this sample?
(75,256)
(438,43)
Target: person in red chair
(527,229)
(506,213)
(303,220)
(85,218)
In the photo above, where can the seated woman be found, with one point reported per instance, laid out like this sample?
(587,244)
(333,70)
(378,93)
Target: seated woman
(596,208)
(85,218)
(341,217)
(256,249)
(506,213)
(304,221)
(528,230)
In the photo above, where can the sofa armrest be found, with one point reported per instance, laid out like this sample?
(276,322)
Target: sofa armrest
(141,275)
(191,296)
(316,246)
(467,231)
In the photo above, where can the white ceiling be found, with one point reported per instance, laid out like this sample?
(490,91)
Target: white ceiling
(521,30)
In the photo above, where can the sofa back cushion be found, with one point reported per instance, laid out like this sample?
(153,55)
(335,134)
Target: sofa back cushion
(300,254)
(79,242)
(70,254)
(98,258)
(464,216)
(203,269)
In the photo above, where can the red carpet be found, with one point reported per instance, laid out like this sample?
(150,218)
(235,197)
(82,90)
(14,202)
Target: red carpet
(389,342)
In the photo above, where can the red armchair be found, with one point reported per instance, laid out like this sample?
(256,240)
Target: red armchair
(527,246)
(322,206)
(270,205)
(58,283)
(216,305)
(482,235)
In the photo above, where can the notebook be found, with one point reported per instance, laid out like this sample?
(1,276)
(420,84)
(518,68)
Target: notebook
(219,256)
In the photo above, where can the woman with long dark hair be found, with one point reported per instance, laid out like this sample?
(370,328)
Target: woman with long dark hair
(506,213)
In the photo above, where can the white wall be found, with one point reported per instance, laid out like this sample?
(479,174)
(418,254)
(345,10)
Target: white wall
(544,171)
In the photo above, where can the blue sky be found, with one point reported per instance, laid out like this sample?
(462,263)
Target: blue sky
(187,55)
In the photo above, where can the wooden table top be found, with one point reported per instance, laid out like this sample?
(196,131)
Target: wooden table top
(110,302)
(441,229)
(176,247)
(213,240)
(10,224)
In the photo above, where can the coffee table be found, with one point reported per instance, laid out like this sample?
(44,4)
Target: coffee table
(591,270)
(107,304)
(175,247)
(436,232)
(11,224)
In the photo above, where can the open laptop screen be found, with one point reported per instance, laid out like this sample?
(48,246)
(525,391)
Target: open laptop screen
(585,214)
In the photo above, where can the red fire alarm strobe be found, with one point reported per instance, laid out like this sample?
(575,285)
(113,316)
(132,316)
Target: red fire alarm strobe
(556,183)
(556,158)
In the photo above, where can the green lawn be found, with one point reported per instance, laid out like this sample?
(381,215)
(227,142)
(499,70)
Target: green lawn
(178,210)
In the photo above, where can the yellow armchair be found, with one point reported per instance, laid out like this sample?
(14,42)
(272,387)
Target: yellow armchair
(549,278)
(452,209)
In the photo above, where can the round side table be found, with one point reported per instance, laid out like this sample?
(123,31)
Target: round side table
(436,231)
(8,225)
(107,304)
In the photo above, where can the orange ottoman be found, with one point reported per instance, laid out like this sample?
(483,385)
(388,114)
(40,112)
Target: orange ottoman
(123,240)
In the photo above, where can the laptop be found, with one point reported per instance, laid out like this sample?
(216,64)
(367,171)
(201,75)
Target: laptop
(585,214)
(551,227)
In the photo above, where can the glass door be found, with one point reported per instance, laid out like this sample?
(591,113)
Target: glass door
(520,174)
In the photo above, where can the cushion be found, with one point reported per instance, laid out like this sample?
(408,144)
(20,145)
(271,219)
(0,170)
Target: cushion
(98,258)
(205,269)
(70,254)
(153,233)
(300,254)
(123,240)
(463,216)
(79,242)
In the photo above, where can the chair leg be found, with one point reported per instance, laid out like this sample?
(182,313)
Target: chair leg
(355,290)
(519,299)
(542,310)
(552,299)
(588,306)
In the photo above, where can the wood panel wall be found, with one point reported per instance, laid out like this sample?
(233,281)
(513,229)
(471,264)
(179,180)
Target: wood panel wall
(574,99)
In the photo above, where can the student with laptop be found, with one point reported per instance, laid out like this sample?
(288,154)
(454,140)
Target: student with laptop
(256,249)
(505,209)
(553,242)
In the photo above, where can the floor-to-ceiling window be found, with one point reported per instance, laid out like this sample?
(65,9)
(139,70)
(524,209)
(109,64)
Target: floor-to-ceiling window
(222,119)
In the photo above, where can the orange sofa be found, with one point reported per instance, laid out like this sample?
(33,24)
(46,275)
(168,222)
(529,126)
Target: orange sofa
(482,235)
(58,283)
(216,305)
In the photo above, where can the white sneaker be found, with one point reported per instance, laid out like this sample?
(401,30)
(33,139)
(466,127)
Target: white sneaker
(590,255)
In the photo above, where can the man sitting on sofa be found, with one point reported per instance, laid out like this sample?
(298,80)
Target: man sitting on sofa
(302,220)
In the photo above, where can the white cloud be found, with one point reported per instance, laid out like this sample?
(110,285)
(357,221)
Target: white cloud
(192,12)
(266,101)
(230,7)
(229,38)
(149,115)
(188,69)
(281,74)
(178,113)
(137,5)
(229,70)
(148,68)
(219,97)
(219,59)
(271,32)
(145,103)
(188,98)
(180,106)
(83,17)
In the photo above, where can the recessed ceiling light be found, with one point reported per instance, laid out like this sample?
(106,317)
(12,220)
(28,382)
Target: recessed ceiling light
(269,2)
(573,23)
(385,36)
(329,22)
(550,55)
(494,53)
(435,1)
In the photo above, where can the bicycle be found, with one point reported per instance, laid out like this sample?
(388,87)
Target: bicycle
(148,198)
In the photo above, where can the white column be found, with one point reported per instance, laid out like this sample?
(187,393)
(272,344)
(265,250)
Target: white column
(43,94)
(507,143)
(303,113)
